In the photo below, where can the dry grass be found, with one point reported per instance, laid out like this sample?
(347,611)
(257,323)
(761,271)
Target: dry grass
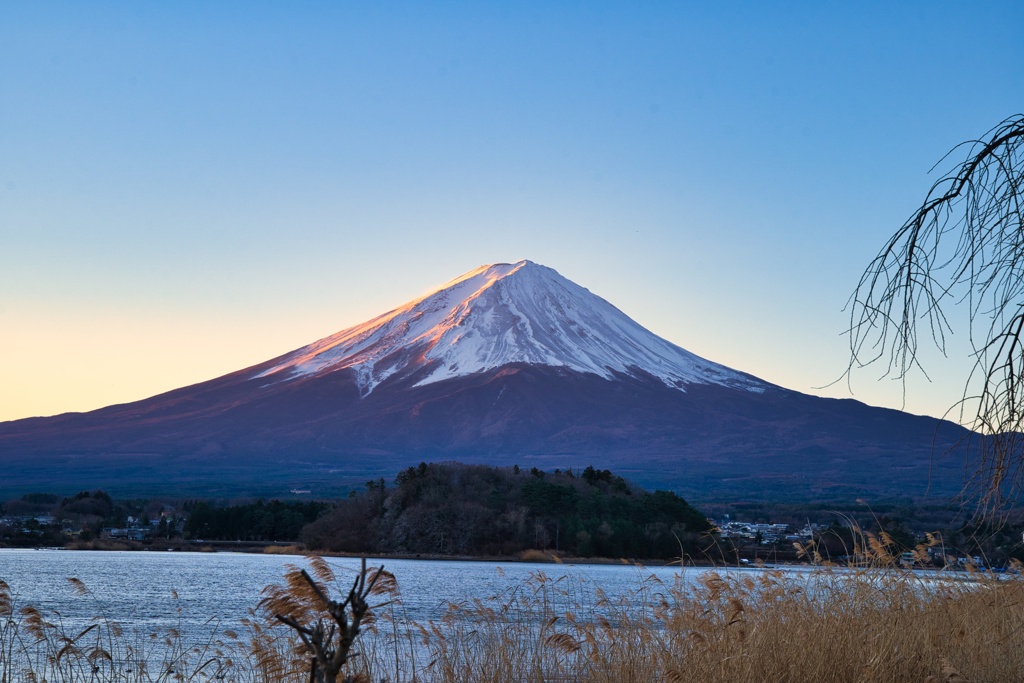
(284,550)
(536,556)
(830,625)
(826,624)
(37,647)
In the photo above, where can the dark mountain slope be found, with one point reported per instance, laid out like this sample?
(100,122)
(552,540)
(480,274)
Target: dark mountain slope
(509,363)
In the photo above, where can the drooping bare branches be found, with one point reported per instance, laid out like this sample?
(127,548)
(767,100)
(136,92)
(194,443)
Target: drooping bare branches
(963,246)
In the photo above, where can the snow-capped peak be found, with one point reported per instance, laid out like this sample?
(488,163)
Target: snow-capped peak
(500,314)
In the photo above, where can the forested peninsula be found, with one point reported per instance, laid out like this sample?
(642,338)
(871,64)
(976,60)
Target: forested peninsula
(455,509)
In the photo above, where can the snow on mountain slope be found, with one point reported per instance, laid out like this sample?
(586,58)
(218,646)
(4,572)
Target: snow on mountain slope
(500,314)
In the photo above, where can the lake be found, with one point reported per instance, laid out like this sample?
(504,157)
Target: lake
(189,601)
(137,588)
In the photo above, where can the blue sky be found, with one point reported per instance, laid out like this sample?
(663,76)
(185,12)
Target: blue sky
(189,189)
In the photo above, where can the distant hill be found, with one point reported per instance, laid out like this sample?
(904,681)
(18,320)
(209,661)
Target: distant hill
(455,509)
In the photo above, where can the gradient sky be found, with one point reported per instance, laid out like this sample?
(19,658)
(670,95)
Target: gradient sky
(187,189)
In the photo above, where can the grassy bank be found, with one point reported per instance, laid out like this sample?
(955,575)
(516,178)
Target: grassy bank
(823,625)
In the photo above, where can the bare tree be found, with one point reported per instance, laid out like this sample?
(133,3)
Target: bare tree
(964,247)
(328,628)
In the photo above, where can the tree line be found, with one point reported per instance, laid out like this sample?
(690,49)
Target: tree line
(260,521)
(457,509)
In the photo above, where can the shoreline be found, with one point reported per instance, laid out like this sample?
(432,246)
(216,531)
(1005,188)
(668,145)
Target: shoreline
(258,548)
(535,557)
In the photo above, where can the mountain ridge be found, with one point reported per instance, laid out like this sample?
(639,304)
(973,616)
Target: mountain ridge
(498,314)
(559,392)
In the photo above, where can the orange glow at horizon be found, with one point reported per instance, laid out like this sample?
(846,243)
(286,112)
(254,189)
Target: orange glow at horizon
(95,361)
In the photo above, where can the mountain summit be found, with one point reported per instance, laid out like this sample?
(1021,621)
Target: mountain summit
(508,364)
(497,315)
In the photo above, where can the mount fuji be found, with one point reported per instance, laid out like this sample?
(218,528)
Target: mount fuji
(496,316)
(506,364)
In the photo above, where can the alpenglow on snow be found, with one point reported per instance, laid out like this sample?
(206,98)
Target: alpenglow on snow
(500,314)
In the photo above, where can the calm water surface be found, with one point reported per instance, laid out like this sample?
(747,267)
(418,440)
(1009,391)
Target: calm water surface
(137,588)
